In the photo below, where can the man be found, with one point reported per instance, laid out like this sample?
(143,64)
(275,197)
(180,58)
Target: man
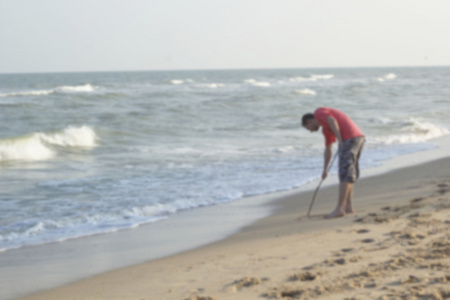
(337,125)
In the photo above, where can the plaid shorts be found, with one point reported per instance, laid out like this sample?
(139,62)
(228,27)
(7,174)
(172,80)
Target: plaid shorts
(349,154)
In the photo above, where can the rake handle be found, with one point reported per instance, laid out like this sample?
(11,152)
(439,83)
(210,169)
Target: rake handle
(317,189)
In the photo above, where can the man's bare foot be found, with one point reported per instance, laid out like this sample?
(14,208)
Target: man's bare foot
(349,210)
(335,214)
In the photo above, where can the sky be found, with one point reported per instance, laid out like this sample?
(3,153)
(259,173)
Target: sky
(119,35)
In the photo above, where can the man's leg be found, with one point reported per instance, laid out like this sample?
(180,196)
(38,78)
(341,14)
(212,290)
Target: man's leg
(349,203)
(348,174)
(349,206)
(345,191)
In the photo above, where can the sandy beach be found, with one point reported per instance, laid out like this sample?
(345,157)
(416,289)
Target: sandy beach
(396,246)
(172,150)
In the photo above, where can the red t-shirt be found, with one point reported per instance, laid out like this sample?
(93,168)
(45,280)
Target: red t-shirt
(347,127)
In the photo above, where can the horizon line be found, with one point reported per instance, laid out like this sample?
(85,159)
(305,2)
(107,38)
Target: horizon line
(222,69)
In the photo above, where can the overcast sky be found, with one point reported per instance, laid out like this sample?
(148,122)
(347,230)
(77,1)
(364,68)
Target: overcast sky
(107,35)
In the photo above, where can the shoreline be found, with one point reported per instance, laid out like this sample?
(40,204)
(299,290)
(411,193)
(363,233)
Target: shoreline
(270,257)
(262,207)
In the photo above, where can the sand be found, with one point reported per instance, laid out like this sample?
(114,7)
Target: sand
(396,246)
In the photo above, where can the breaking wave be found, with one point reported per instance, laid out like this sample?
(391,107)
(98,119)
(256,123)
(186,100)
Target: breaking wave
(412,131)
(86,88)
(28,93)
(41,146)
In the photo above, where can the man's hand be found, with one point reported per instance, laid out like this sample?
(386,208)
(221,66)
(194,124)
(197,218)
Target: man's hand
(324,174)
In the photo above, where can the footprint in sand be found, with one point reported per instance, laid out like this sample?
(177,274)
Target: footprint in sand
(370,285)
(443,279)
(375,218)
(416,200)
(411,279)
(411,235)
(368,241)
(303,277)
(201,298)
(347,250)
(418,293)
(363,231)
(340,261)
(443,188)
(284,294)
(291,294)
(343,252)
(419,215)
(246,282)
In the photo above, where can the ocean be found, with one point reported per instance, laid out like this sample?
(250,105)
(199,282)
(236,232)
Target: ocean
(93,153)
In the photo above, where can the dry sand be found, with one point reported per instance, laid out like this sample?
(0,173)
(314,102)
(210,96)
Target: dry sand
(397,246)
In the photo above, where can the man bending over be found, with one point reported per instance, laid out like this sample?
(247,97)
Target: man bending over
(337,125)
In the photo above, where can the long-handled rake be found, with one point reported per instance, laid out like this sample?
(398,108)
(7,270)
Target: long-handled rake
(317,189)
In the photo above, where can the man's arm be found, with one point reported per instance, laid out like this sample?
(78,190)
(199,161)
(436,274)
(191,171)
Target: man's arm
(334,126)
(326,160)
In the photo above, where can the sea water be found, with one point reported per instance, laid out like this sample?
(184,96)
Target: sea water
(92,153)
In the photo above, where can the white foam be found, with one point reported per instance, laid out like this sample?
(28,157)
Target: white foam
(83,136)
(390,76)
(176,81)
(324,77)
(311,78)
(212,85)
(37,146)
(306,92)
(86,88)
(48,230)
(257,83)
(29,148)
(159,210)
(28,93)
(415,131)
(36,229)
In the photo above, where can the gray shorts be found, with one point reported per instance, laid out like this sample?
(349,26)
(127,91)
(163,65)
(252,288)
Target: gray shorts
(349,154)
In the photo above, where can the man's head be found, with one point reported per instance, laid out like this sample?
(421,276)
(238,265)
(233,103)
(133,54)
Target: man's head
(310,123)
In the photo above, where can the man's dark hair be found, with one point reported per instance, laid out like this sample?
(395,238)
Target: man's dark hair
(307,117)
